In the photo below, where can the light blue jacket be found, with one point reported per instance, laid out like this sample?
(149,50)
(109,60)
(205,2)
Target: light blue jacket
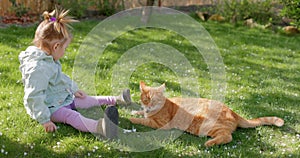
(46,87)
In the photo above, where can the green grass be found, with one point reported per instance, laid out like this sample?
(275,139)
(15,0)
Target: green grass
(263,75)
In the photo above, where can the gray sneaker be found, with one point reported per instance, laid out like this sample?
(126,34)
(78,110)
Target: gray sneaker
(124,98)
(111,121)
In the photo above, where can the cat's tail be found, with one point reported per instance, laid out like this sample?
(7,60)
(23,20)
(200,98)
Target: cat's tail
(260,121)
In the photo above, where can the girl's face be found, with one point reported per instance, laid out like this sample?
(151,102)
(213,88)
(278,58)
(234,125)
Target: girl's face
(59,49)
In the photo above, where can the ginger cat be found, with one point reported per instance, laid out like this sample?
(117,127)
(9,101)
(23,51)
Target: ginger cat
(194,115)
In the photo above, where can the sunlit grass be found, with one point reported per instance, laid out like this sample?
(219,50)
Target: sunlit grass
(262,70)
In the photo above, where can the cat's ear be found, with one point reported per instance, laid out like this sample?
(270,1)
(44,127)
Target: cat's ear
(142,86)
(162,88)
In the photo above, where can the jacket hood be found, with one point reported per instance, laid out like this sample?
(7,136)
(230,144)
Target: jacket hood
(32,54)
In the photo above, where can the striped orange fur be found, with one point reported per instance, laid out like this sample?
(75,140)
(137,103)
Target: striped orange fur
(198,116)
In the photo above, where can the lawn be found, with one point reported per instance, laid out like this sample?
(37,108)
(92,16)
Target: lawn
(262,76)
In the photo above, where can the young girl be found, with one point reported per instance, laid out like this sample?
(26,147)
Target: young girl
(50,95)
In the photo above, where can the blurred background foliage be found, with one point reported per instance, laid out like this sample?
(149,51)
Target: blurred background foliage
(262,12)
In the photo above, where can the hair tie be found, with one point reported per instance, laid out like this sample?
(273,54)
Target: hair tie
(52,19)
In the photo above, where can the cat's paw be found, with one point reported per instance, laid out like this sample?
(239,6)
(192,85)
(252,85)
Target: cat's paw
(210,143)
(134,112)
(133,120)
(279,122)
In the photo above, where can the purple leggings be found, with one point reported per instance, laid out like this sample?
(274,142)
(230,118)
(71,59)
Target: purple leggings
(69,115)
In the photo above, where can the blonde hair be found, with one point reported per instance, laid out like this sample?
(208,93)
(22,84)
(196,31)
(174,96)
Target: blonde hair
(55,26)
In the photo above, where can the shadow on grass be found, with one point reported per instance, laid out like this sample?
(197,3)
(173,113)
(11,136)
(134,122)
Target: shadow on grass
(25,150)
(188,145)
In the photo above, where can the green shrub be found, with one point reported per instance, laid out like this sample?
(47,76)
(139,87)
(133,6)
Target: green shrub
(237,10)
(291,10)
(108,7)
(78,7)
(18,9)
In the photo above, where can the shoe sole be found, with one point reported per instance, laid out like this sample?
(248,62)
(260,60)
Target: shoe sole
(126,96)
(111,121)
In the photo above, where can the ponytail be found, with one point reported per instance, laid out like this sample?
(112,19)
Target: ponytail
(47,15)
(60,20)
(55,26)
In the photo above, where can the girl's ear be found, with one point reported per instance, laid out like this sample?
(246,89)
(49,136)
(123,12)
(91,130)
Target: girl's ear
(55,46)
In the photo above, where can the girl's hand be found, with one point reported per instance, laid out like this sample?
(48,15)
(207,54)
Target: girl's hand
(80,94)
(49,126)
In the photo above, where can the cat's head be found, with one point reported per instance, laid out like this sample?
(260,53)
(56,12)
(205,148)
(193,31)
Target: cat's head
(152,98)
